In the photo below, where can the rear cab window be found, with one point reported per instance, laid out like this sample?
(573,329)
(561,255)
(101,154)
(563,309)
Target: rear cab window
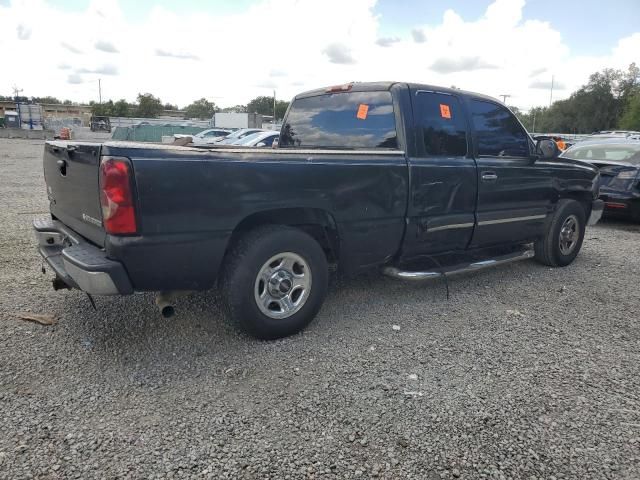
(345,120)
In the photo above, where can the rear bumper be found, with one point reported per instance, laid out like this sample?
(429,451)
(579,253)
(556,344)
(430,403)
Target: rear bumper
(621,204)
(78,263)
(597,207)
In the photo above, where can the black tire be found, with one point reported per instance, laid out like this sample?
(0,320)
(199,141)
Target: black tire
(240,283)
(548,250)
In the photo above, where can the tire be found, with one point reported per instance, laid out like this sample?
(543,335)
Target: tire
(274,281)
(564,236)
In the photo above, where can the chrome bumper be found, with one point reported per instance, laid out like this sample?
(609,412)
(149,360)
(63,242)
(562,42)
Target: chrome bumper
(78,263)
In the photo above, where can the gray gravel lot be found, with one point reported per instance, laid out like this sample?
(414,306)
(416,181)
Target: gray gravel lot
(525,372)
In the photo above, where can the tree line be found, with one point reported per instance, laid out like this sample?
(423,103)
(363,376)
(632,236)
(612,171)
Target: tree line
(610,100)
(150,106)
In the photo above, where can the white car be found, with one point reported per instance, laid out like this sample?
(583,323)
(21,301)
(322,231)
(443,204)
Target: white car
(238,135)
(259,139)
(212,135)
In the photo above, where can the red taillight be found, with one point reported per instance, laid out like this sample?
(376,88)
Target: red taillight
(615,205)
(116,197)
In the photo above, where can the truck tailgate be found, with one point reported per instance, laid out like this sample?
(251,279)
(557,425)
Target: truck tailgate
(71,173)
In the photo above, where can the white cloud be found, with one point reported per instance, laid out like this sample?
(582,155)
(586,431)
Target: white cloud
(180,56)
(339,53)
(105,46)
(316,47)
(74,79)
(24,32)
(387,41)
(546,85)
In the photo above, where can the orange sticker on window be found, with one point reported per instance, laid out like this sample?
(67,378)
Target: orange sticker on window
(363,110)
(444,111)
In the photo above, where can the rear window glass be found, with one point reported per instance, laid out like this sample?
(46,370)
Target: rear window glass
(341,120)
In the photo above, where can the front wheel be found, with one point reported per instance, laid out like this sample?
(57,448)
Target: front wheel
(274,281)
(564,236)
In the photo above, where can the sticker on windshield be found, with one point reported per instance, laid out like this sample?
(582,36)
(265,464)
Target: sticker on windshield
(363,110)
(444,111)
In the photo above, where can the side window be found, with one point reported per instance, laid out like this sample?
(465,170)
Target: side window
(499,133)
(442,124)
(269,140)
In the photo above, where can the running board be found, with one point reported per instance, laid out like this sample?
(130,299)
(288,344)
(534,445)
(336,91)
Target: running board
(395,272)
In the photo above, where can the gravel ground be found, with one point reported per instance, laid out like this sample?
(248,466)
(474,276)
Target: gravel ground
(525,372)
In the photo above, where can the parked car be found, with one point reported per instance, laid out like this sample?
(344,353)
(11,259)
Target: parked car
(614,134)
(238,135)
(258,139)
(100,124)
(618,160)
(211,135)
(365,176)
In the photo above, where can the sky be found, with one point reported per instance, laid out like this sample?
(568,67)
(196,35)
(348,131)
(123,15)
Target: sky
(232,51)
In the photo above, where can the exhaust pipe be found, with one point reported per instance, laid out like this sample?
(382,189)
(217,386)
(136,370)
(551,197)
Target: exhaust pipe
(164,301)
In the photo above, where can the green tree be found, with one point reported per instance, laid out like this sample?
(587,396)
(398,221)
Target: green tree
(631,117)
(235,109)
(121,108)
(101,109)
(202,109)
(47,99)
(264,106)
(148,106)
(281,109)
(261,105)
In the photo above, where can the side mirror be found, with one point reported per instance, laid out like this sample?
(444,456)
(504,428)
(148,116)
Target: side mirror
(261,144)
(275,143)
(546,148)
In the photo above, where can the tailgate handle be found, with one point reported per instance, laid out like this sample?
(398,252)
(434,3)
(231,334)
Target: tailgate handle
(62,166)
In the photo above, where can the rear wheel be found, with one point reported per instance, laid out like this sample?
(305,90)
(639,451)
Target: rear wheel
(275,281)
(564,235)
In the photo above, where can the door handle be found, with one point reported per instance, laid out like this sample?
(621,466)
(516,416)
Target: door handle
(489,177)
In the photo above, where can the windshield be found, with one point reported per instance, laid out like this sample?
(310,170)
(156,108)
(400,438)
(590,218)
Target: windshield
(240,134)
(341,120)
(629,153)
(248,138)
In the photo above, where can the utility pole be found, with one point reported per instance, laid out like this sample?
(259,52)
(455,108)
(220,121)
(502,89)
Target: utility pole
(274,109)
(16,92)
(504,97)
(551,94)
(99,92)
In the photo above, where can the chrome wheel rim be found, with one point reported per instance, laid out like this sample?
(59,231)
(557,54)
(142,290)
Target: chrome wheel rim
(569,235)
(282,285)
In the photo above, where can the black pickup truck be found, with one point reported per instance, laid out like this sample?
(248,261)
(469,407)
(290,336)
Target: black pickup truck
(416,180)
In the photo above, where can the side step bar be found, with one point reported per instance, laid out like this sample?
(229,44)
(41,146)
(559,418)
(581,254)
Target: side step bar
(395,272)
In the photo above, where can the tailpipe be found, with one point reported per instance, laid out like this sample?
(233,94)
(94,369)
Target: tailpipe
(165,303)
